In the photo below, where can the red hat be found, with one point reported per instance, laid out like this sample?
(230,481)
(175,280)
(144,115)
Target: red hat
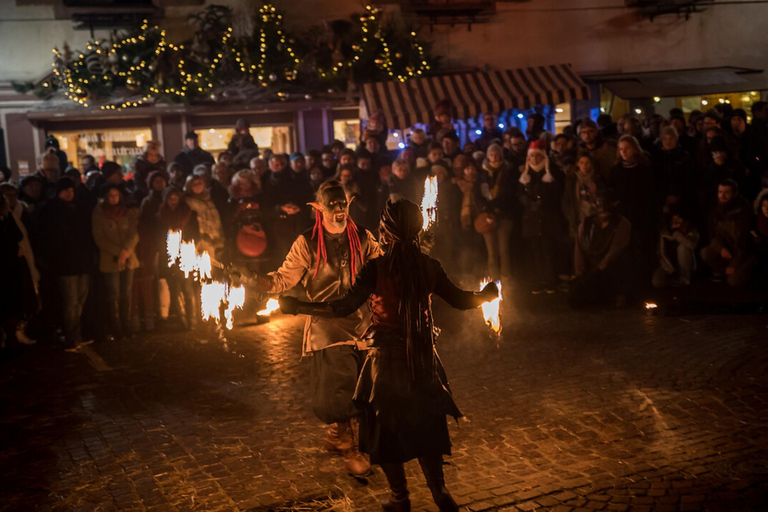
(540,144)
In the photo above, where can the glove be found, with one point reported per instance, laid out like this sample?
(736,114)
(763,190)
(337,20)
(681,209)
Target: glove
(289,305)
(489,292)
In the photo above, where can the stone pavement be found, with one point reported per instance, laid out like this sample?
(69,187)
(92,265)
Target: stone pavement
(595,410)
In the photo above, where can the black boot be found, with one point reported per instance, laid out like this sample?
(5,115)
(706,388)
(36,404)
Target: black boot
(432,467)
(398,485)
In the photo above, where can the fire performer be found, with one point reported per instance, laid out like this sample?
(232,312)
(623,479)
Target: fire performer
(327,259)
(402,390)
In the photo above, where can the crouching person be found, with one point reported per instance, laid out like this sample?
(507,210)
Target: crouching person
(729,253)
(601,258)
(678,241)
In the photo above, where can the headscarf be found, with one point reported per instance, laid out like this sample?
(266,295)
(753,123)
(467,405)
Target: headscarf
(401,223)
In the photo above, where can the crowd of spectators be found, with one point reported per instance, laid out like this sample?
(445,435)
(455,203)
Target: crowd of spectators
(600,212)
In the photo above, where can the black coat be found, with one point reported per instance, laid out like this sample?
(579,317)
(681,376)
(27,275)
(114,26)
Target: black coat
(65,239)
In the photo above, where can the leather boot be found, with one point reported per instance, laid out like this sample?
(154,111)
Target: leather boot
(338,438)
(357,464)
(398,500)
(389,505)
(432,467)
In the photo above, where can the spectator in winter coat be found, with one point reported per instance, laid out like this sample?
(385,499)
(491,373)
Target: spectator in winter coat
(150,160)
(540,195)
(192,154)
(242,139)
(198,198)
(52,144)
(402,184)
(175,176)
(12,263)
(175,215)
(491,132)
(673,169)
(67,248)
(499,187)
(31,192)
(601,256)
(143,299)
(603,153)
(115,230)
(751,153)
(419,143)
(580,194)
(729,252)
(49,173)
(678,241)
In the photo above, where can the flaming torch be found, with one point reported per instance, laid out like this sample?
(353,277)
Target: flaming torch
(492,310)
(271,306)
(429,202)
(235,300)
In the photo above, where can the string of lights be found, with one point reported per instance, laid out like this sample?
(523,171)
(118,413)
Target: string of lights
(153,69)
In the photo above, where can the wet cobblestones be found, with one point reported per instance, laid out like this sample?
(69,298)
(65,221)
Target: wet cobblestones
(601,410)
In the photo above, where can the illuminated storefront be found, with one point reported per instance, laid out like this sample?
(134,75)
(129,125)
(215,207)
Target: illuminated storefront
(118,145)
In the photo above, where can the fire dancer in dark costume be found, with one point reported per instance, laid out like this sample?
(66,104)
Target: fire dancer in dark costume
(327,259)
(402,390)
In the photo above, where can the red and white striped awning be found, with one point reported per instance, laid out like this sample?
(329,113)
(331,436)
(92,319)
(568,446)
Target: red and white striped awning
(407,103)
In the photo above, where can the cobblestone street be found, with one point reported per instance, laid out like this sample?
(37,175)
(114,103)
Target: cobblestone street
(596,410)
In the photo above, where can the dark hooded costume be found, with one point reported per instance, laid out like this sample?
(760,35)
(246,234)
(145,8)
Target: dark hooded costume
(402,391)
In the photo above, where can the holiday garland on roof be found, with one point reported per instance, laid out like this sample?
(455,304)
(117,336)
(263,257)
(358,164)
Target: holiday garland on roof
(142,66)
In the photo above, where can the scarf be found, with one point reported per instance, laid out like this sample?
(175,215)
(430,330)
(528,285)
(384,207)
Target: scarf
(114,212)
(525,178)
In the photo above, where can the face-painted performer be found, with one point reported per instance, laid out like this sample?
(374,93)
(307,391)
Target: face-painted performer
(327,259)
(403,390)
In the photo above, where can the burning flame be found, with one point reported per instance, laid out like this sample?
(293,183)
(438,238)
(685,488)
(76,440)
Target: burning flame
(272,306)
(235,300)
(650,305)
(429,202)
(173,246)
(204,266)
(211,296)
(491,310)
(187,258)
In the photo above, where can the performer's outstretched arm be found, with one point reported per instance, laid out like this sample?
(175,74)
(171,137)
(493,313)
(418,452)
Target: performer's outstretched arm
(365,285)
(458,298)
(296,264)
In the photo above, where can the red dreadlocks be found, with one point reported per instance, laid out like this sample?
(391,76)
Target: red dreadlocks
(355,248)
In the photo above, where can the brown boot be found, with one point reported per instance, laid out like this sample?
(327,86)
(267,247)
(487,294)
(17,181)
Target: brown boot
(338,438)
(357,464)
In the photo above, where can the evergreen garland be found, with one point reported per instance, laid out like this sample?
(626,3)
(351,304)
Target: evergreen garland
(143,67)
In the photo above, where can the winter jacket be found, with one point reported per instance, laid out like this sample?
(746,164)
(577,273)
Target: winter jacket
(598,247)
(579,199)
(112,236)
(189,158)
(604,157)
(502,188)
(729,228)
(540,195)
(67,247)
(209,223)
(141,169)
(633,186)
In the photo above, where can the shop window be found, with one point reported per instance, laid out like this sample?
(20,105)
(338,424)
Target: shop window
(562,116)
(276,138)
(117,145)
(347,131)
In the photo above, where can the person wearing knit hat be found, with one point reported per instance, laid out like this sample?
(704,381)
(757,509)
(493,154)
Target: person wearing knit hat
(542,221)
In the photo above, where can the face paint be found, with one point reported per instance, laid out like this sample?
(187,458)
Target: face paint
(335,209)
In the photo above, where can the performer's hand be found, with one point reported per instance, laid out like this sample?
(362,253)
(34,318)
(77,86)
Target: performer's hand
(490,292)
(289,305)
